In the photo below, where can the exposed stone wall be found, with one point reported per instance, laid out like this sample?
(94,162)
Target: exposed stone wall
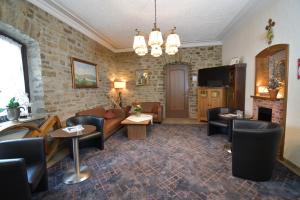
(196,58)
(51,45)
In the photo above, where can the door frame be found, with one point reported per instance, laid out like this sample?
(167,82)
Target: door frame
(187,86)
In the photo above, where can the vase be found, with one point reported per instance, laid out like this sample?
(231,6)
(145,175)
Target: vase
(137,114)
(13,113)
(273,93)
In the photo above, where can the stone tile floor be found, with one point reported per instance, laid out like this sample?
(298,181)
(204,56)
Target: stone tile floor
(174,162)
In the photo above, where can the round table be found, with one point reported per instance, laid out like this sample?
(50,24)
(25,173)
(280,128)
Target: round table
(79,173)
(229,117)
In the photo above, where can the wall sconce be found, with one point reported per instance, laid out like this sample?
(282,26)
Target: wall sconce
(119,85)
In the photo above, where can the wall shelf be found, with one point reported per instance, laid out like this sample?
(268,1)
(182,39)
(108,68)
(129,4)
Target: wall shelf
(266,98)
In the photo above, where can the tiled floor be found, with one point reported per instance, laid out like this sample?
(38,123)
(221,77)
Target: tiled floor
(174,162)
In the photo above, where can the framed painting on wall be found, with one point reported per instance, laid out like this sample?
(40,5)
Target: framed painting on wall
(84,74)
(141,77)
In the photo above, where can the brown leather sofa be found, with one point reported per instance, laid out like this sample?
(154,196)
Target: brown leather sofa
(111,124)
(152,108)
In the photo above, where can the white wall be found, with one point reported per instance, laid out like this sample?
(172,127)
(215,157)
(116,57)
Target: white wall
(247,38)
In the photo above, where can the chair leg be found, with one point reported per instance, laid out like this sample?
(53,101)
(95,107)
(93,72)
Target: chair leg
(43,185)
(209,130)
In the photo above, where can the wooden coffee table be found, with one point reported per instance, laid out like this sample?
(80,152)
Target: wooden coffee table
(136,130)
(79,173)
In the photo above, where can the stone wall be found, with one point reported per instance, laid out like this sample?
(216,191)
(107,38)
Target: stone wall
(51,43)
(196,58)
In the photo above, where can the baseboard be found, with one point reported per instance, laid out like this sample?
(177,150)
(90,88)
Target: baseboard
(294,168)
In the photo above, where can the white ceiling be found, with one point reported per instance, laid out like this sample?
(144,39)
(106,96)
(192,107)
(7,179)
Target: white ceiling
(112,22)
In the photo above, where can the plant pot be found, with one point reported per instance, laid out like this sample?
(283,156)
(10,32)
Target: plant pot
(273,93)
(137,114)
(13,113)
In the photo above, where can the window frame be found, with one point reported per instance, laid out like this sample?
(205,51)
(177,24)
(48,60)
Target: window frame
(24,62)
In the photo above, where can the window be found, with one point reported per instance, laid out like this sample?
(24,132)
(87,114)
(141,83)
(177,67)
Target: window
(12,71)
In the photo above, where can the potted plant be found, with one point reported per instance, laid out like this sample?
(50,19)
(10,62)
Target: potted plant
(273,87)
(13,109)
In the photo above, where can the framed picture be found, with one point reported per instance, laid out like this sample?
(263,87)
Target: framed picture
(141,77)
(84,74)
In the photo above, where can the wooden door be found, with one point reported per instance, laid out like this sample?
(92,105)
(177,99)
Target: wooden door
(215,99)
(177,91)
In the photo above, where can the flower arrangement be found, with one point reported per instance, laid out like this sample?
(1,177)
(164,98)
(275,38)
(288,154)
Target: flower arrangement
(137,109)
(274,84)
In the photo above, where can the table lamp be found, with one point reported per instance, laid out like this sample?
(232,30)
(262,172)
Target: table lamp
(119,85)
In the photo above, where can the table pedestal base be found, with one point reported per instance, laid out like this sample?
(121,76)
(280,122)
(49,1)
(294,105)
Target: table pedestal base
(71,177)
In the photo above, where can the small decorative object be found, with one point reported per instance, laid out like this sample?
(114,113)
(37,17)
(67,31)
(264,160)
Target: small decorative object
(235,60)
(273,87)
(137,110)
(142,77)
(12,109)
(269,29)
(84,74)
(119,85)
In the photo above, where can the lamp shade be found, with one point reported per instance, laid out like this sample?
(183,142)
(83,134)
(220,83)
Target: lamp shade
(139,42)
(156,50)
(171,50)
(119,84)
(155,38)
(141,51)
(173,40)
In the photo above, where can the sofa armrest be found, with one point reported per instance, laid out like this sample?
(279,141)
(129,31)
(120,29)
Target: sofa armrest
(31,149)
(13,182)
(160,113)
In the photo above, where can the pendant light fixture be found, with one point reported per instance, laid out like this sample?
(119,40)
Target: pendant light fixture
(156,41)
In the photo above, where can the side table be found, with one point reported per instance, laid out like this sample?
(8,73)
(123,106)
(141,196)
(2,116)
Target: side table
(79,173)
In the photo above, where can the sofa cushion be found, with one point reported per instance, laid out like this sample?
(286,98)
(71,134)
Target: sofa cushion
(109,115)
(34,174)
(150,107)
(97,112)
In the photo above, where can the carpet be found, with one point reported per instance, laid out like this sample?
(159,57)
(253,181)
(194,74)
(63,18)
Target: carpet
(174,162)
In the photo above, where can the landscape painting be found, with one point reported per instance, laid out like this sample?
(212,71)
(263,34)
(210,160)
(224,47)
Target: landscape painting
(84,74)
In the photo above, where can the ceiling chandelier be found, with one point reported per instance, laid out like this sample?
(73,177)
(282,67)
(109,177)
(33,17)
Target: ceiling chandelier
(156,41)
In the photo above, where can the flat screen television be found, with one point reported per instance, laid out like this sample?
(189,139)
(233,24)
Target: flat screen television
(213,77)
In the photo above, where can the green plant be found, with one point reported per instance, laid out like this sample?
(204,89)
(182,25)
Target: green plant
(13,103)
(273,84)
(137,109)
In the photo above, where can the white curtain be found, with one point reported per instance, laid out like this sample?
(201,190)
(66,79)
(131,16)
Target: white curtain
(11,71)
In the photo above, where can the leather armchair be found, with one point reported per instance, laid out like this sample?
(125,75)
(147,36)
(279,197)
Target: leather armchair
(254,149)
(215,124)
(22,168)
(95,139)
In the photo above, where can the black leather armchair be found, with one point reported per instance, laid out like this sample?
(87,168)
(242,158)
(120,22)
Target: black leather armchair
(254,149)
(22,168)
(215,124)
(95,139)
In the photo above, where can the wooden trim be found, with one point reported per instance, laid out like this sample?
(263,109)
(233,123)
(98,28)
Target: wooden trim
(73,72)
(268,52)
(294,168)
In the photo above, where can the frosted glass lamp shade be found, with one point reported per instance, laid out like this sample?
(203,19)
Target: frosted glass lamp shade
(119,84)
(156,51)
(139,42)
(141,51)
(155,38)
(171,50)
(173,40)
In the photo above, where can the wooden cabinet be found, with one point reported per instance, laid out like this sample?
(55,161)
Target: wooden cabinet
(210,97)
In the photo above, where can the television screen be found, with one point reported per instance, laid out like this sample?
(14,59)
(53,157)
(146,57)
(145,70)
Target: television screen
(213,77)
